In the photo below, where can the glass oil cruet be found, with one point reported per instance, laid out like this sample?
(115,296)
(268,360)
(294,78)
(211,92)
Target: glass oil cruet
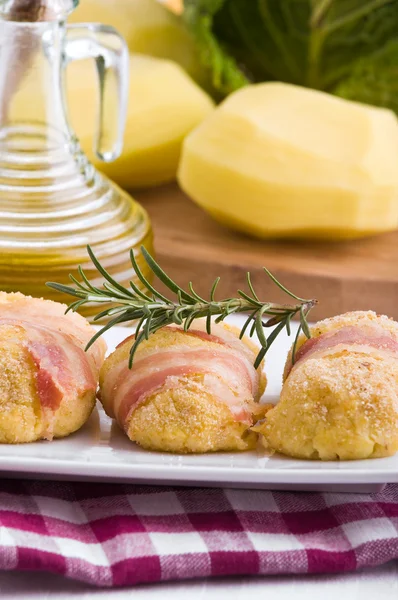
(53,202)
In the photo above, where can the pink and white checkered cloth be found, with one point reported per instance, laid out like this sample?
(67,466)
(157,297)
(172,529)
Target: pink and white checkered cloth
(115,535)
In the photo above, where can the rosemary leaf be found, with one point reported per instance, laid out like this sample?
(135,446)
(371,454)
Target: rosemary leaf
(87,282)
(208,323)
(65,289)
(270,339)
(249,283)
(245,326)
(294,349)
(304,324)
(214,287)
(139,292)
(104,272)
(259,327)
(253,327)
(194,294)
(282,287)
(163,277)
(288,328)
(245,296)
(143,279)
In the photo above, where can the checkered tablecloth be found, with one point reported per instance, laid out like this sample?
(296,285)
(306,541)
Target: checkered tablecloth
(115,535)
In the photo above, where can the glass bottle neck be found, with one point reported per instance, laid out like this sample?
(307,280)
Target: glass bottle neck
(31,80)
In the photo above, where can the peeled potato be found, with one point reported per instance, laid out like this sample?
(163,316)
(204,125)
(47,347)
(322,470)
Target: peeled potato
(148,28)
(164,106)
(277,160)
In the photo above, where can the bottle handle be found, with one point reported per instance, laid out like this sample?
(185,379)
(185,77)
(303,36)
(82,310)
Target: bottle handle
(109,50)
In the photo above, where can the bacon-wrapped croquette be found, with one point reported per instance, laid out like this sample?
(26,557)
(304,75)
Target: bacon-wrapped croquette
(340,398)
(186,391)
(47,381)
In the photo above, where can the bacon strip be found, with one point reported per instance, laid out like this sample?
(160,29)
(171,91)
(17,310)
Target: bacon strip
(222,335)
(228,373)
(34,311)
(49,387)
(170,378)
(225,338)
(365,336)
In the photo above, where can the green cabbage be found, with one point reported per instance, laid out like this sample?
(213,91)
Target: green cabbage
(374,80)
(347,47)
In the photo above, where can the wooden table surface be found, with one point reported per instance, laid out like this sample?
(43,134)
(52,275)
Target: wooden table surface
(343,276)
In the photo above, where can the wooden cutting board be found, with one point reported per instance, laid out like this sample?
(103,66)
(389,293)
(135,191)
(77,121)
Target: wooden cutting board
(343,276)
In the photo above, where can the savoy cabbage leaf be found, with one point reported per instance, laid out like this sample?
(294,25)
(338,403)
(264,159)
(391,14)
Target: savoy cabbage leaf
(374,80)
(315,43)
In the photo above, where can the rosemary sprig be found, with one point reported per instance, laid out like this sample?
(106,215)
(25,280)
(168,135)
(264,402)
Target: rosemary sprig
(153,310)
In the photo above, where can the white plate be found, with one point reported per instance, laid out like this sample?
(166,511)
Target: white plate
(100,451)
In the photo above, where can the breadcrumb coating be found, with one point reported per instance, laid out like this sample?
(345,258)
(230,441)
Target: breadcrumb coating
(339,405)
(187,419)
